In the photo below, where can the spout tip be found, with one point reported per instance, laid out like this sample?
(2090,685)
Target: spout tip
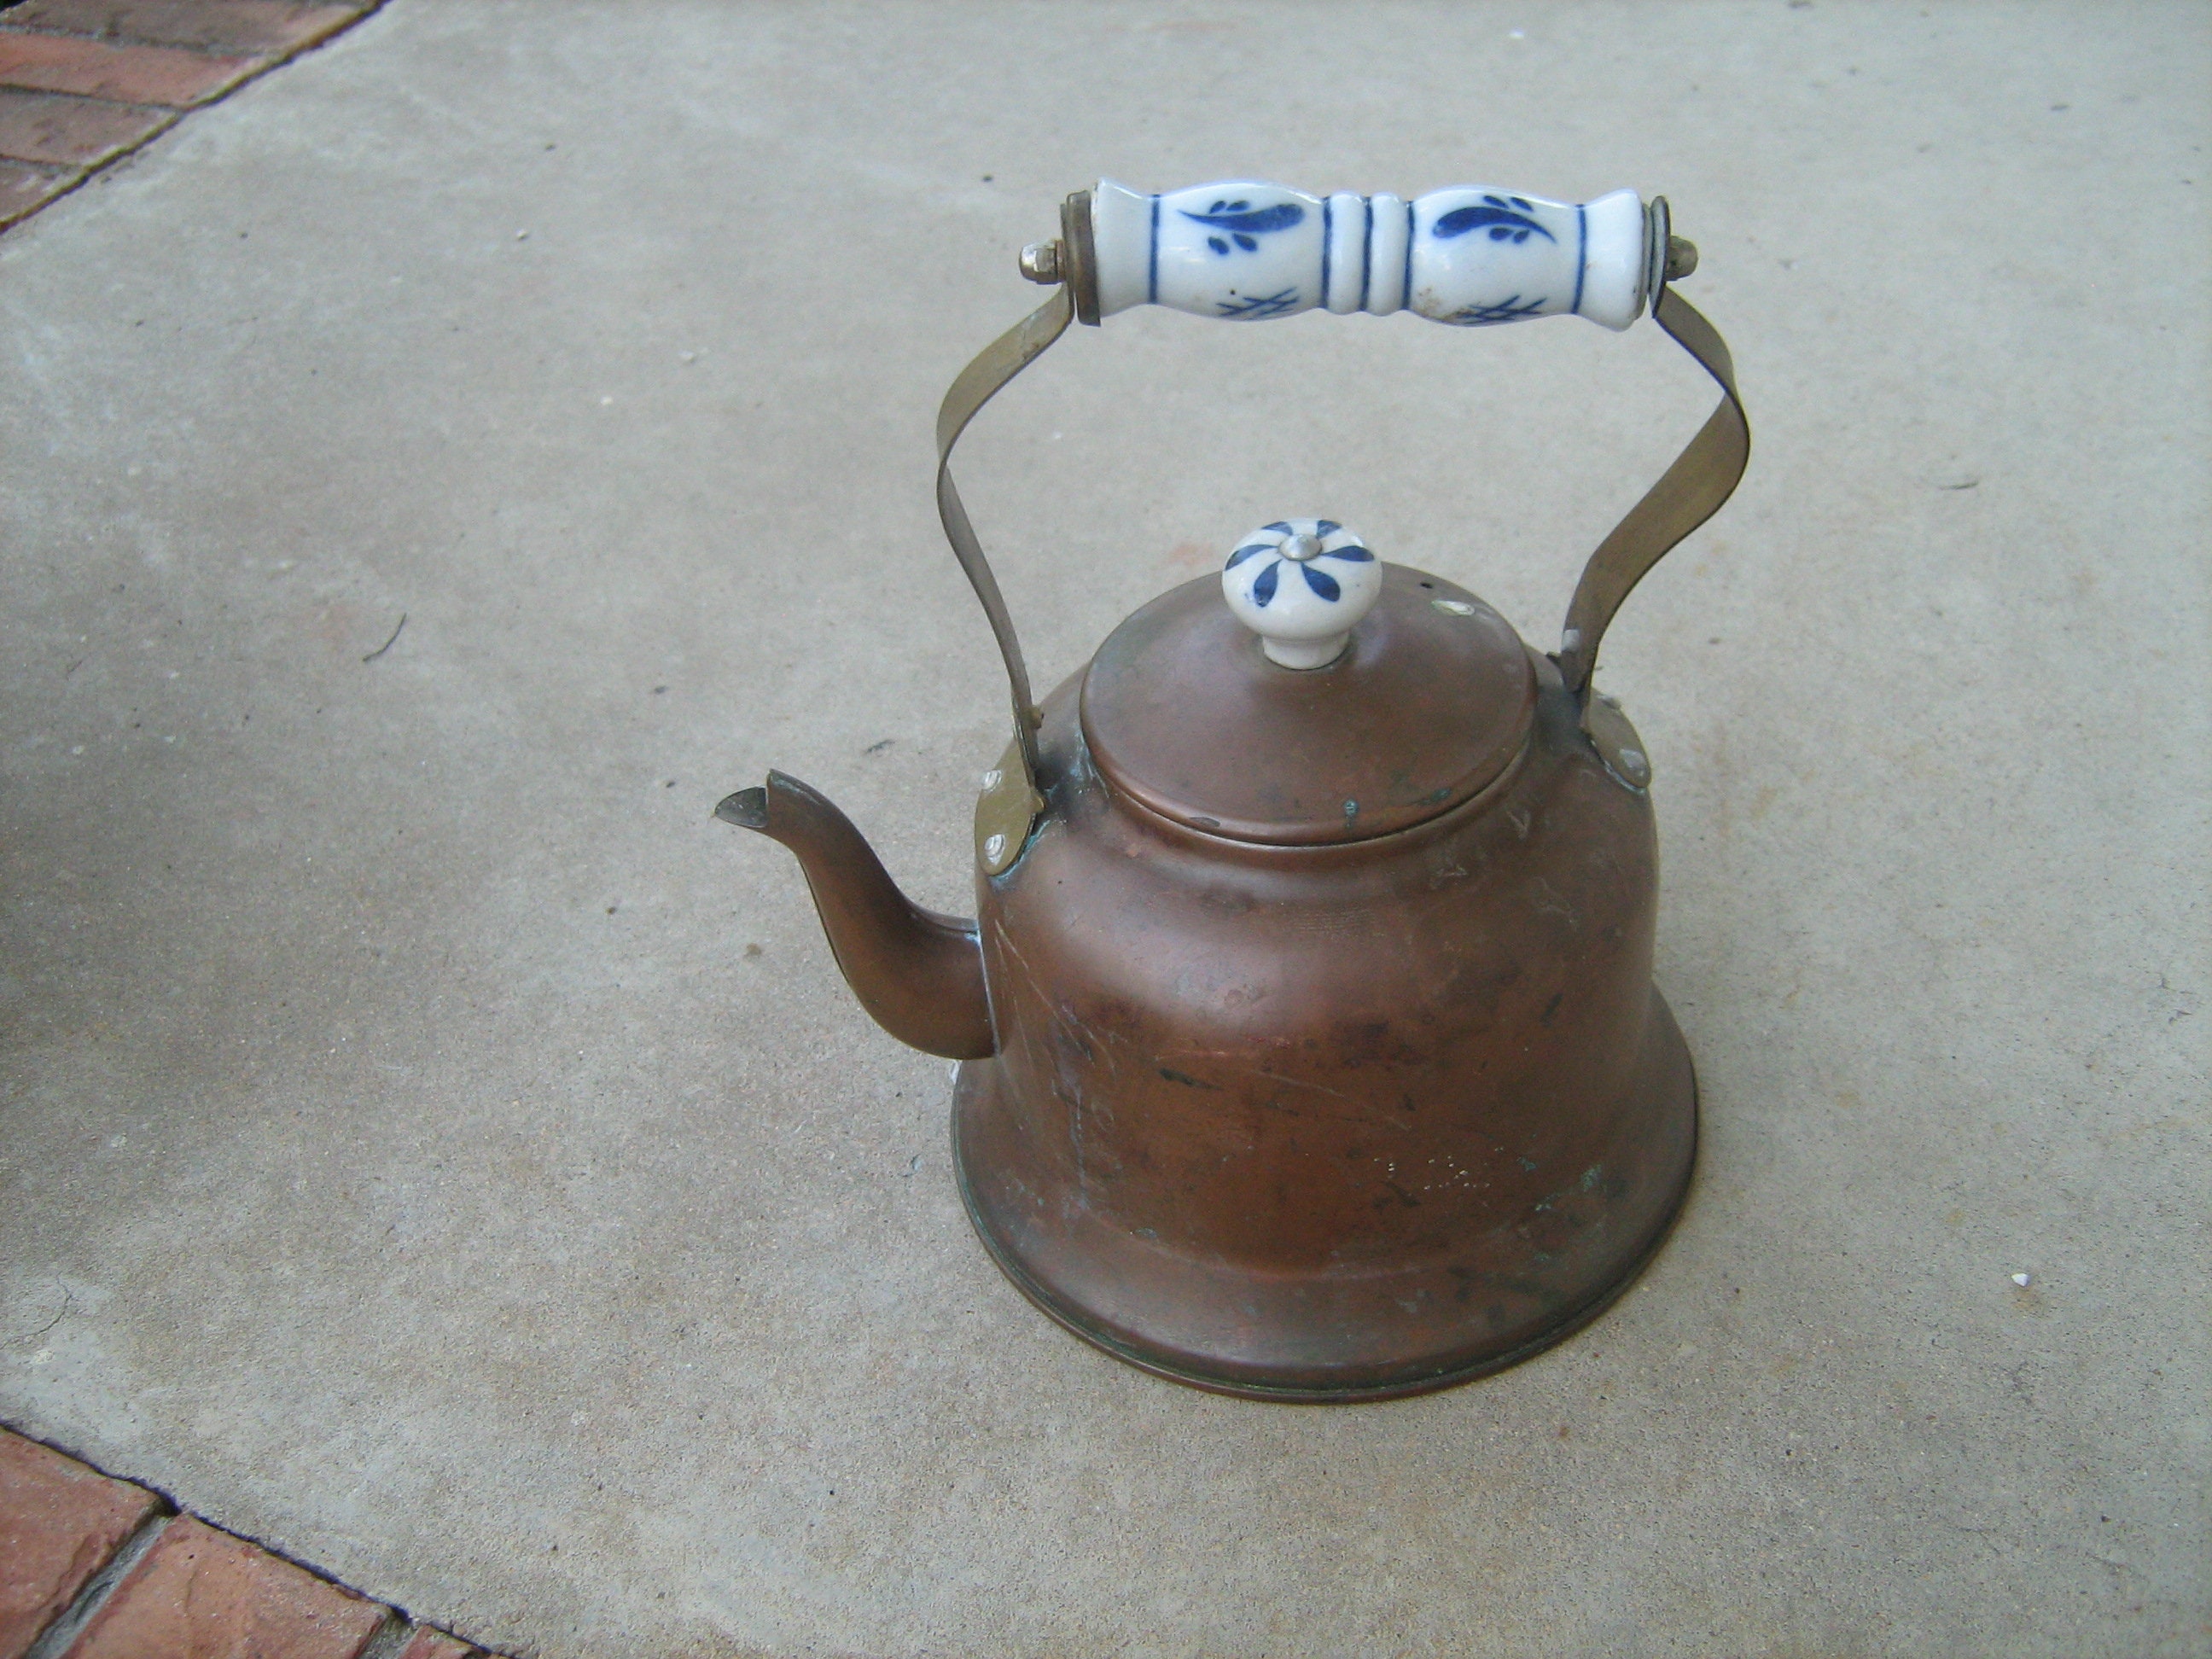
(747,808)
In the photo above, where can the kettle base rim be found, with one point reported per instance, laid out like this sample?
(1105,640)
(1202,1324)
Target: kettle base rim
(1667,1085)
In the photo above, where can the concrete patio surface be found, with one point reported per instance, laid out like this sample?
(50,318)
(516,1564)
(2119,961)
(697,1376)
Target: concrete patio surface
(430,1145)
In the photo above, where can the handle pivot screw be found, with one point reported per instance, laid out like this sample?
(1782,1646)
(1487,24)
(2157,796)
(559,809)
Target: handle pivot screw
(1041,262)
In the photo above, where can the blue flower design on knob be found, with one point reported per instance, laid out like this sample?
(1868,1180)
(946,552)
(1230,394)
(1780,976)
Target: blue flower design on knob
(1301,584)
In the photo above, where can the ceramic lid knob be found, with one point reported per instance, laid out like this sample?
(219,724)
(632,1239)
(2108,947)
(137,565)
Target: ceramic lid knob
(1302,585)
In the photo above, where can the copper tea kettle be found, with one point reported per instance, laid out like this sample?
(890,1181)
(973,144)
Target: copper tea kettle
(1309,1048)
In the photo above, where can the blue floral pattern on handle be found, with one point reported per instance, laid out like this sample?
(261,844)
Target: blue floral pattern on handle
(1240,222)
(1251,308)
(1496,214)
(1511,309)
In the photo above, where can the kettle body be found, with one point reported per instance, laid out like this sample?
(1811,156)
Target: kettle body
(1328,1121)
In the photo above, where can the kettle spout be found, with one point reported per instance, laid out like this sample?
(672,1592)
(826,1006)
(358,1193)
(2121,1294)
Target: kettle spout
(919,975)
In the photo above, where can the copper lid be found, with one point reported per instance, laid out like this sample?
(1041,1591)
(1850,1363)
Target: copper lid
(1183,713)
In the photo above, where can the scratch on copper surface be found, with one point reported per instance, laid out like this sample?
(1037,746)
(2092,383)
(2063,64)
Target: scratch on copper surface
(1549,901)
(1300,1083)
(1365,1116)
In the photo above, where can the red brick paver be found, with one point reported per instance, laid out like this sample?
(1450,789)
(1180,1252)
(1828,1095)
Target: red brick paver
(185,1591)
(267,27)
(59,1524)
(83,82)
(200,1593)
(434,1645)
(71,133)
(25,189)
(126,74)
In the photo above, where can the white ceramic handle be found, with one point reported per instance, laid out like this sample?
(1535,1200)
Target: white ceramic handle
(1471,257)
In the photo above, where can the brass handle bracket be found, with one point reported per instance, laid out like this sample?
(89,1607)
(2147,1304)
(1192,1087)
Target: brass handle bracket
(996,364)
(1704,475)
(1014,797)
